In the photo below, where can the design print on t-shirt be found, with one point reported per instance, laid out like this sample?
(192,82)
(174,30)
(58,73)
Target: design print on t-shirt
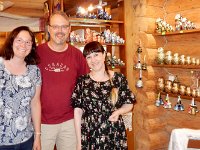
(57,67)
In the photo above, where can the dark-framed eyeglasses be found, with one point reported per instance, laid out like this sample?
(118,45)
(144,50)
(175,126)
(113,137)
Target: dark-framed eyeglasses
(57,27)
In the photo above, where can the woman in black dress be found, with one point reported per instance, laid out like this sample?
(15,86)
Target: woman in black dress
(99,99)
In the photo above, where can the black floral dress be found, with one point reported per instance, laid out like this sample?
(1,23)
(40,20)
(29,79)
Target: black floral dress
(97,132)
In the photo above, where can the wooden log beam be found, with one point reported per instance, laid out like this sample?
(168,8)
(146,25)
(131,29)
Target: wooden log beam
(181,7)
(150,41)
(27,12)
(150,85)
(154,125)
(152,111)
(33,4)
(158,139)
(151,97)
(183,120)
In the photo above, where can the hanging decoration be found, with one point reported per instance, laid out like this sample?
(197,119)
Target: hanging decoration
(144,64)
(140,66)
(139,83)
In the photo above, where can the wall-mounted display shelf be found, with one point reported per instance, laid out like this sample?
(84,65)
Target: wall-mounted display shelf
(197,67)
(94,21)
(105,44)
(99,25)
(85,22)
(182,96)
(116,67)
(178,32)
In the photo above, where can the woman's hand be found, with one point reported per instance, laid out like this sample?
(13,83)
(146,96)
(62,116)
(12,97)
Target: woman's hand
(78,146)
(124,109)
(37,143)
(77,120)
(114,117)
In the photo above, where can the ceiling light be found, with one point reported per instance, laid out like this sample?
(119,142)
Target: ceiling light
(90,8)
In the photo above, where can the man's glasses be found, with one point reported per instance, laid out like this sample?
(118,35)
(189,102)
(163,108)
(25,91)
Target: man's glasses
(57,27)
(21,41)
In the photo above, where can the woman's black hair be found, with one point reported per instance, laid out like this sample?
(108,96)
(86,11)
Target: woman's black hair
(7,49)
(93,47)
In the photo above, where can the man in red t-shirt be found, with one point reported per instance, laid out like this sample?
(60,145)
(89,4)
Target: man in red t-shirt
(60,64)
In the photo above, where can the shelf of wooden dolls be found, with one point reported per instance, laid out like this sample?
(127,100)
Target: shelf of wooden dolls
(194,67)
(182,96)
(178,32)
(99,25)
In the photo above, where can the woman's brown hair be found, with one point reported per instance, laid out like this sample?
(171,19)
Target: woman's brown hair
(7,49)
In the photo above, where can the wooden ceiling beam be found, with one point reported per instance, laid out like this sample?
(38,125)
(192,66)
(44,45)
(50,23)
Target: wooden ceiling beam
(27,12)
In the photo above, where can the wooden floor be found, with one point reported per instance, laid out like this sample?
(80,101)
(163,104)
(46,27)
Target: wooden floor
(130,136)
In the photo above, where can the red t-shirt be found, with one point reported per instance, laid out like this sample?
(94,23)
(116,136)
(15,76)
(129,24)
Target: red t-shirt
(60,71)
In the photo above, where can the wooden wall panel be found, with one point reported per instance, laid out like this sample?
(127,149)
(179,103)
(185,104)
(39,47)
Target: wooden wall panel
(29,8)
(37,4)
(179,6)
(3,36)
(25,12)
(147,115)
(186,13)
(155,3)
(130,45)
(182,48)
(154,12)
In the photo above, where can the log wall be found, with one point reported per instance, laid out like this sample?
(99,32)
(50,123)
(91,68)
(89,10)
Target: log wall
(153,125)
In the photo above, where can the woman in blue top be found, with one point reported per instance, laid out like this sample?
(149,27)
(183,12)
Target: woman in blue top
(20,83)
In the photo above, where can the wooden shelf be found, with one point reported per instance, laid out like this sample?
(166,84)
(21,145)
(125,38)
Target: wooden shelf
(116,67)
(94,21)
(105,44)
(100,25)
(90,25)
(178,32)
(85,22)
(182,96)
(178,66)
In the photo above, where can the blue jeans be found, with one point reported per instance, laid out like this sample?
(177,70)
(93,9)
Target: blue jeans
(28,145)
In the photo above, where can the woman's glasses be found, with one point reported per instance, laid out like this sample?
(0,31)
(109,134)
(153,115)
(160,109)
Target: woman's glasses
(21,41)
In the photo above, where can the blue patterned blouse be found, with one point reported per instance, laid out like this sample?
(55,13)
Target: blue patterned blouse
(16,93)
